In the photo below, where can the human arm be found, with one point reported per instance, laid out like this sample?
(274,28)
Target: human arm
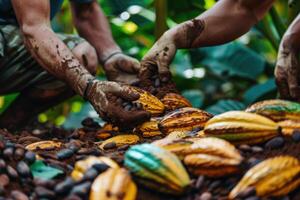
(287,71)
(92,24)
(224,22)
(55,57)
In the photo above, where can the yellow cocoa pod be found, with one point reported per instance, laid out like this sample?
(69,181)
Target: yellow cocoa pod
(184,119)
(114,184)
(149,102)
(173,101)
(119,140)
(289,126)
(83,165)
(241,127)
(271,178)
(276,109)
(149,129)
(44,145)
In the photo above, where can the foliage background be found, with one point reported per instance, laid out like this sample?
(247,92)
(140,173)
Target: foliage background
(221,78)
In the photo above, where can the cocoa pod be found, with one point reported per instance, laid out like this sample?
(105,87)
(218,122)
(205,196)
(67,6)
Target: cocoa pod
(44,145)
(149,129)
(118,141)
(277,110)
(184,119)
(157,168)
(112,185)
(173,101)
(288,127)
(273,177)
(241,127)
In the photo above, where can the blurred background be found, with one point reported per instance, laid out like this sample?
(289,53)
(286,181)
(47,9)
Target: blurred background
(217,79)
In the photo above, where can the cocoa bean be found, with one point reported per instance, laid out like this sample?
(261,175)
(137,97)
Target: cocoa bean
(214,185)
(4,180)
(9,144)
(253,161)
(30,157)
(110,145)
(128,107)
(64,154)
(275,143)
(206,196)
(42,192)
(19,153)
(100,167)
(23,169)
(125,104)
(28,140)
(44,183)
(199,182)
(296,136)
(257,149)
(123,148)
(11,172)
(18,195)
(245,147)
(8,153)
(157,82)
(81,189)
(2,165)
(64,187)
(90,174)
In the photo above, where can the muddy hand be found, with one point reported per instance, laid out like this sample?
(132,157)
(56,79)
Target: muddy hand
(287,74)
(98,93)
(158,59)
(122,68)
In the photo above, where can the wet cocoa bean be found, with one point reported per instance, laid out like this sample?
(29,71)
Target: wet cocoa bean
(199,182)
(81,189)
(29,157)
(2,165)
(18,195)
(11,172)
(124,104)
(4,180)
(64,187)
(100,167)
(257,149)
(110,145)
(90,174)
(245,147)
(275,143)
(64,154)
(42,192)
(296,136)
(44,183)
(19,153)
(23,169)
(8,153)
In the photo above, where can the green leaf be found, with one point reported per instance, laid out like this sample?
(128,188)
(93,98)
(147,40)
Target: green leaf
(224,106)
(261,91)
(42,171)
(196,97)
(229,60)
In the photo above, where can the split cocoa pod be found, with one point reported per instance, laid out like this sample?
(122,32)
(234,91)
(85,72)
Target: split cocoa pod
(273,177)
(118,141)
(240,127)
(277,110)
(173,101)
(149,128)
(149,102)
(210,156)
(157,168)
(44,145)
(113,184)
(184,119)
(83,165)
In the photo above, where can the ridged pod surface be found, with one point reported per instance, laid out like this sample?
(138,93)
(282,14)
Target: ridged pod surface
(288,127)
(173,101)
(157,168)
(271,178)
(184,119)
(44,145)
(83,165)
(276,109)
(241,127)
(120,140)
(149,102)
(113,184)
(149,129)
(206,156)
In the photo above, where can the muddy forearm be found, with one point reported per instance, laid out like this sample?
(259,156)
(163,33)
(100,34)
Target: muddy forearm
(220,24)
(92,24)
(56,58)
(291,39)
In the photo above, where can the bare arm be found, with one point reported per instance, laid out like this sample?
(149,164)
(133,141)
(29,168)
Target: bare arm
(226,21)
(287,70)
(51,53)
(92,24)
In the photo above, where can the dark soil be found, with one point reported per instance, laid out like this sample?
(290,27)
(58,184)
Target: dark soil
(83,140)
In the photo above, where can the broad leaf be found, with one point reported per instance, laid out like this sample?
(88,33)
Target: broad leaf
(224,106)
(42,171)
(196,97)
(233,59)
